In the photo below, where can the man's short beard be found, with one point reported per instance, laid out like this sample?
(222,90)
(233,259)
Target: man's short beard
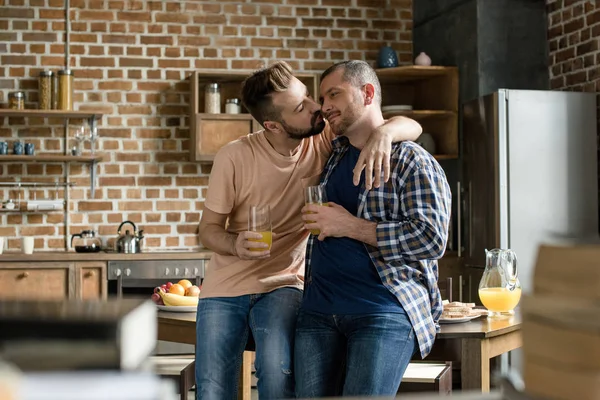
(349,117)
(295,133)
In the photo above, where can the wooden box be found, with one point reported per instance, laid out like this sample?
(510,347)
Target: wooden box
(561,324)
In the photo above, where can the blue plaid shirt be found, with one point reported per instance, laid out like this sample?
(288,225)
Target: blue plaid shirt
(412,211)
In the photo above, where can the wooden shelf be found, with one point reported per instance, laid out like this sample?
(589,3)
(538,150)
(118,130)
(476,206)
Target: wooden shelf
(50,113)
(210,132)
(411,73)
(19,211)
(433,94)
(51,158)
(420,115)
(440,157)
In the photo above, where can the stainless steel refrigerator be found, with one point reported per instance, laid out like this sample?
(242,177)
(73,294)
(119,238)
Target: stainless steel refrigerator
(530,173)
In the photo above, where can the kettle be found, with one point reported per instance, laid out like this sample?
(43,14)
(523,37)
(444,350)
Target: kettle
(129,243)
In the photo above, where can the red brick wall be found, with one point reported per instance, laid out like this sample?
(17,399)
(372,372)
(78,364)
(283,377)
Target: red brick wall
(131,59)
(574,43)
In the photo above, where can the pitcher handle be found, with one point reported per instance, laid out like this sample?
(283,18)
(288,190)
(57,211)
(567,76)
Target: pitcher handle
(514,274)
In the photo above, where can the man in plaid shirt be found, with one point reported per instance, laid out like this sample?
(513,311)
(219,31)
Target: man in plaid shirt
(371,296)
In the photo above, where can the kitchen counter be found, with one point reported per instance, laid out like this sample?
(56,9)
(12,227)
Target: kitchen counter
(42,256)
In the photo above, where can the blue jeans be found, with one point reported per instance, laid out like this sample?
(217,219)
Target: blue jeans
(352,355)
(223,325)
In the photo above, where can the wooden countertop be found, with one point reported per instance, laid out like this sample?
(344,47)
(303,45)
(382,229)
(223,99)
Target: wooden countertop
(102,256)
(480,328)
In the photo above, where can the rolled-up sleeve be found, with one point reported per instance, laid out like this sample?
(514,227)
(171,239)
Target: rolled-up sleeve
(425,203)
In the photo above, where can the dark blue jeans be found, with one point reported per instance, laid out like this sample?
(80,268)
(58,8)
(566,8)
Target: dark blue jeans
(223,325)
(352,355)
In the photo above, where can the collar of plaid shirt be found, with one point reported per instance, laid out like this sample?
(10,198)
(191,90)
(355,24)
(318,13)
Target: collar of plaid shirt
(412,211)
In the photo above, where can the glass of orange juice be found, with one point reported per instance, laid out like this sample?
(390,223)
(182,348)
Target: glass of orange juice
(259,220)
(315,195)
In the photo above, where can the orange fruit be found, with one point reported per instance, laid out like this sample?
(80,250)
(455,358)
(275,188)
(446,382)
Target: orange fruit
(177,289)
(185,283)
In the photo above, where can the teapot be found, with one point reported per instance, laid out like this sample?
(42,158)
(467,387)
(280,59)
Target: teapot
(499,288)
(129,243)
(87,243)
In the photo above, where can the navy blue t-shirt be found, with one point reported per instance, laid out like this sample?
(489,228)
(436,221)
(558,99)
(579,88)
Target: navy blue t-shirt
(344,280)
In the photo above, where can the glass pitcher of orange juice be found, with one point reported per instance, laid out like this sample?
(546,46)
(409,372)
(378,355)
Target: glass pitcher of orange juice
(500,289)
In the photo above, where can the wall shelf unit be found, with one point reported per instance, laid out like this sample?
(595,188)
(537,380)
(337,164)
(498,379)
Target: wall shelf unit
(433,94)
(210,132)
(30,115)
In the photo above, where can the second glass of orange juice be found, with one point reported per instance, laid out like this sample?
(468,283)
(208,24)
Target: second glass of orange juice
(315,195)
(259,221)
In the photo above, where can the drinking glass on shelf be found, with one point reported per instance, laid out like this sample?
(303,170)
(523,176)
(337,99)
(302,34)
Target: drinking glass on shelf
(93,137)
(79,136)
(259,220)
(315,195)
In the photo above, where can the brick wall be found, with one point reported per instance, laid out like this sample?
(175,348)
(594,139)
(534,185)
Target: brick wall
(574,44)
(131,59)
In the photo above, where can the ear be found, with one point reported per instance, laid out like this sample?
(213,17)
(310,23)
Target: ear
(369,93)
(272,126)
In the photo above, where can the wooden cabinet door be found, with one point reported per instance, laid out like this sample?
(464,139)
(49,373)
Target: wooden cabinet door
(36,281)
(91,280)
(213,131)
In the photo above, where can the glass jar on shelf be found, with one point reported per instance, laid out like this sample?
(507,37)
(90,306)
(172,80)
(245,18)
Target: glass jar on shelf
(16,100)
(212,98)
(233,106)
(65,90)
(45,90)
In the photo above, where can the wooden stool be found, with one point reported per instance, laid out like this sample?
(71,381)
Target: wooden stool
(427,377)
(179,367)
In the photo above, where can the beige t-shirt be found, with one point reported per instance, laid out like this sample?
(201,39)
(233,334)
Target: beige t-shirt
(248,172)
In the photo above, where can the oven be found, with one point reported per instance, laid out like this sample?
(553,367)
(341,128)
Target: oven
(140,277)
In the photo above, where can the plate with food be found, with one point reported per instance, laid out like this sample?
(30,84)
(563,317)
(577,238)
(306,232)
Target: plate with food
(176,297)
(457,312)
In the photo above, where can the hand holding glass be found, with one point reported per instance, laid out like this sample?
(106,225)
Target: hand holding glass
(259,221)
(315,195)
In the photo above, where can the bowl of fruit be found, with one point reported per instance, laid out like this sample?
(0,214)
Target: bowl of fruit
(176,297)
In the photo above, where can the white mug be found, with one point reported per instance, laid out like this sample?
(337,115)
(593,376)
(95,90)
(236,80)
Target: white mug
(27,244)
(1,244)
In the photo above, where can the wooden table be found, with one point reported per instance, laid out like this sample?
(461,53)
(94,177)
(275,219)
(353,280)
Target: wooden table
(472,343)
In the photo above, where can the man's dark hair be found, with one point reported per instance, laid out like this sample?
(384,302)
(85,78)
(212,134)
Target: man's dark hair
(258,88)
(358,73)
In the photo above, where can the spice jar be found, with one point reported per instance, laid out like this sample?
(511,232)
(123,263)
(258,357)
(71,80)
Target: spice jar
(16,100)
(45,90)
(233,106)
(212,99)
(65,89)
(54,92)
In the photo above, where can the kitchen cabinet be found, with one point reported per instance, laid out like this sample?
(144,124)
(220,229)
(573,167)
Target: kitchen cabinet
(91,280)
(432,92)
(53,280)
(37,281)
(210,132)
